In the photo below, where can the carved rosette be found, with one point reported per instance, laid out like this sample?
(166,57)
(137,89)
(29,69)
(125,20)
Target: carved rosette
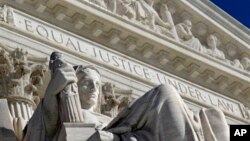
(19,79)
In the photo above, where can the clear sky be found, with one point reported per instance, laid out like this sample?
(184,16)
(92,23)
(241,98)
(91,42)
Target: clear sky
(239,9)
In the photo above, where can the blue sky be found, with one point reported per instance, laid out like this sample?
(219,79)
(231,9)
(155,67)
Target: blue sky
(239,9)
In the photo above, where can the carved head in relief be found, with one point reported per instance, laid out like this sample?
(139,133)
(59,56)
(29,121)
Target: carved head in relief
(246,63)
(163,8)
(188,23)
(89,84)
(212,41)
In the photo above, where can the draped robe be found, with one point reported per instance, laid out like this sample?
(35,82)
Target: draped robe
(161,115)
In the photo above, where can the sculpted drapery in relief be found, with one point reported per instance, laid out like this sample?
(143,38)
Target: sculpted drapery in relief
(130,9)
(143,12)
(161,115)
(212,43)
(163,24)
(167,18)
(186,36)
(236,63)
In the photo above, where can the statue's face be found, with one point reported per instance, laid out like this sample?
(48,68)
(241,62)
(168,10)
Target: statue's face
(245,62)
(89,86)
(188,23)
(212,41)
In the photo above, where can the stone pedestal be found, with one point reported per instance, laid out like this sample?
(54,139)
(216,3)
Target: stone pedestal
(76,131)
(6,127)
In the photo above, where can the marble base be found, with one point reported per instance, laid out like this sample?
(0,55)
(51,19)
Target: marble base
(76,132)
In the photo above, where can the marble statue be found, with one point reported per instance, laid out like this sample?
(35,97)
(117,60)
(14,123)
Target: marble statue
(236,63)
(245,61)
(186,36)
(167,18)
(143,12)
(152,19)
(68,101)
(212,42)
(110,103)
(160,114)
(128,8)
(47,119)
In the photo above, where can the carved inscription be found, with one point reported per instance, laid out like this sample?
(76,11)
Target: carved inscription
(73,42)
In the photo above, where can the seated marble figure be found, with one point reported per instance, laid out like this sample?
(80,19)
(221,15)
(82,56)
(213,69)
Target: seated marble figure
(186,36)
(159,115)
(212,42)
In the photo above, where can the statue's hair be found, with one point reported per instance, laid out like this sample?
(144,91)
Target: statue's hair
(82,69)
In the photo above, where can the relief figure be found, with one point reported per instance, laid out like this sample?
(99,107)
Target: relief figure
(186,36)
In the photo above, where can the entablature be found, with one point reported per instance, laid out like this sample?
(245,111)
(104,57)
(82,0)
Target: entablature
(136,40)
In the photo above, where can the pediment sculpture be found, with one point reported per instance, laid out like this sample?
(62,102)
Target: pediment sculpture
(186,36)
(144,13)
(212,43)
(160,114)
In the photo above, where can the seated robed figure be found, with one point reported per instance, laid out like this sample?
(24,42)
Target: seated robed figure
(158,115)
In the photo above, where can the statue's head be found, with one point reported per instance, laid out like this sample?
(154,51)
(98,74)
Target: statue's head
(88,86)
(245,61)
(212,41)
(164,7)
(188,23)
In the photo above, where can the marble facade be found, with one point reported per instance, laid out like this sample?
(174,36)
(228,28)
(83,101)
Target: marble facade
(135,45)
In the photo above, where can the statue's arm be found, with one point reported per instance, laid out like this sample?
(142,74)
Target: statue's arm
(162,23)
(60,79)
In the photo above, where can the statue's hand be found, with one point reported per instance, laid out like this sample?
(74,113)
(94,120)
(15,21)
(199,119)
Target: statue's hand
(103,136)
(168,25)
(61,78)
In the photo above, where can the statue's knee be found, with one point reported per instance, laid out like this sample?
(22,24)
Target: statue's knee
(167,90)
